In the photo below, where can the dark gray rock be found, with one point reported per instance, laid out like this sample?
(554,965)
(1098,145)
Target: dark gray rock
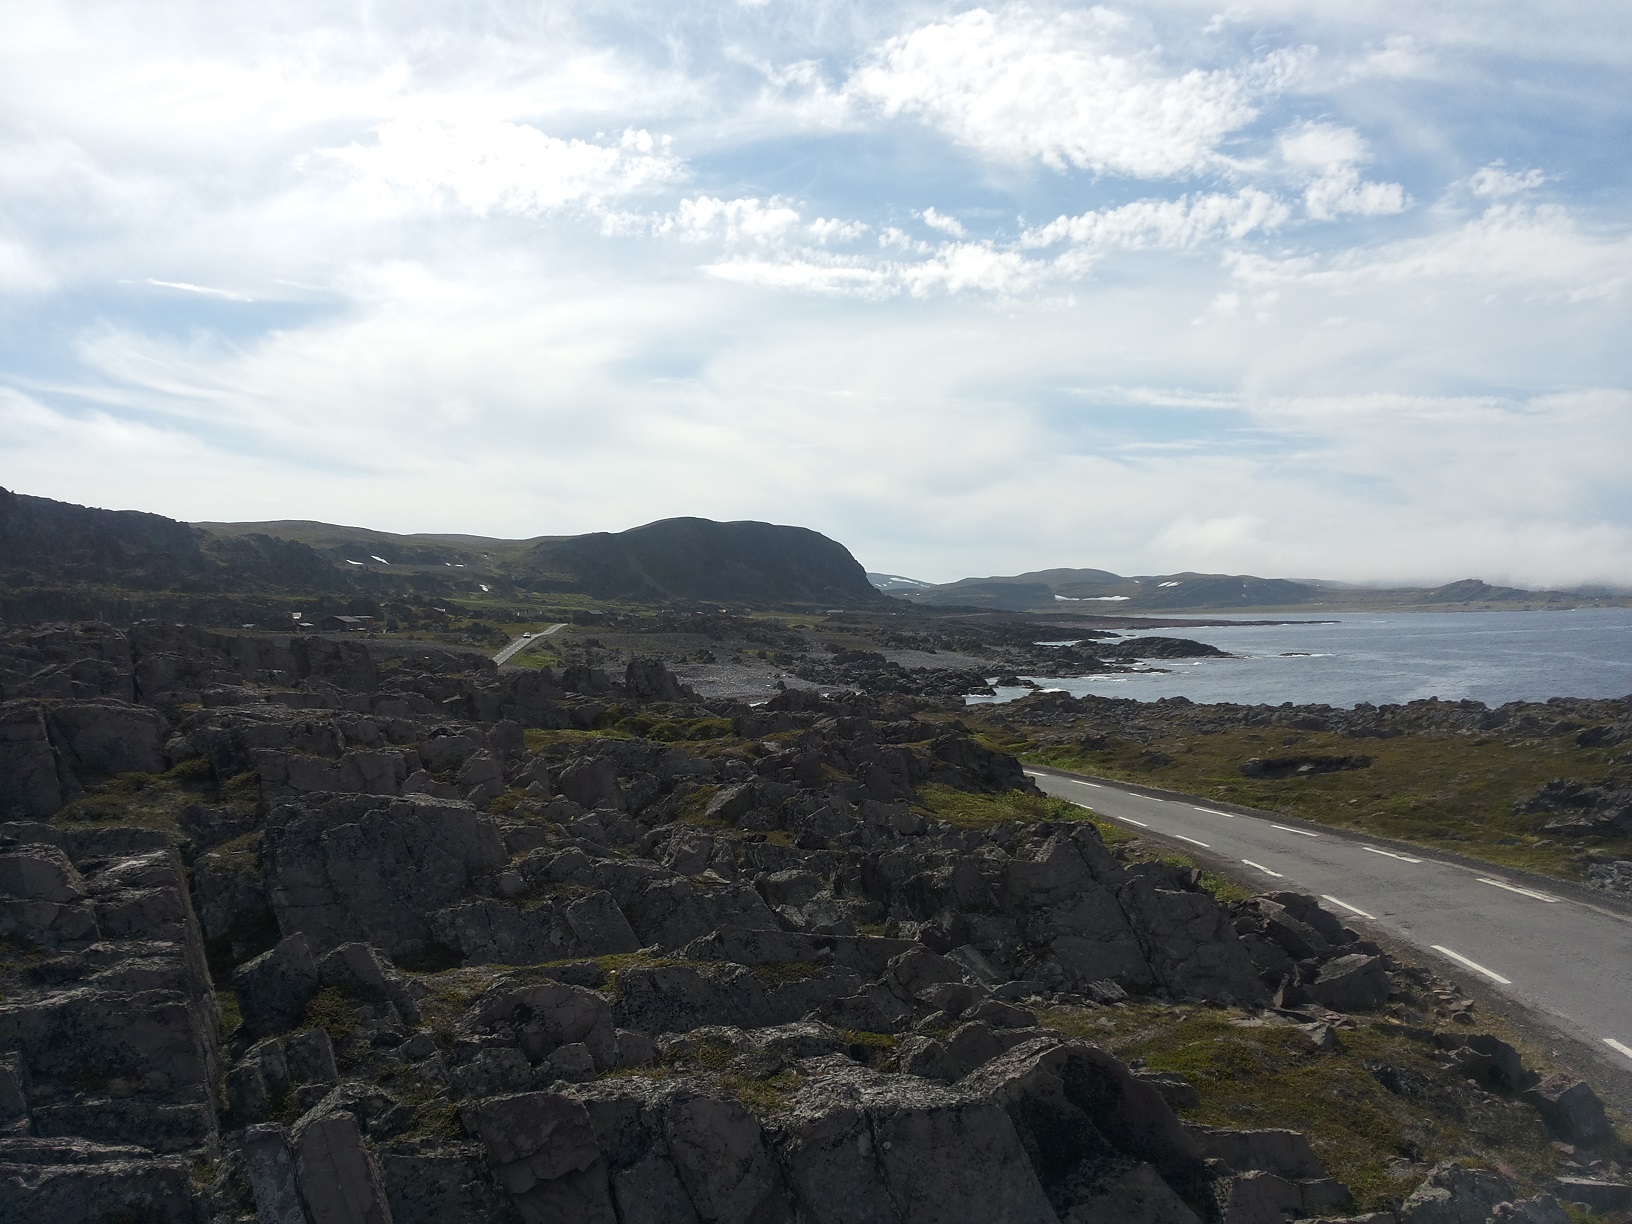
(71,1181)
(592,783)
(1191,944)
(274,988)
(103,738)
(677,999)
(29,784)
(1452,1194)
(540,1019)
(1595,1195)
(338,1178)
(362,871)
(1356,982)
(270,1163)
(1570,1109)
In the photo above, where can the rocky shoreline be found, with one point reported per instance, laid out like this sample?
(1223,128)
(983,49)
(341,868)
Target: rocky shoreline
(297,930)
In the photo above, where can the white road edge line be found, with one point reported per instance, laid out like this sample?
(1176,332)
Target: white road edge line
(1214,812)
(1299,832)
(1523,892)
(1191,840)
(1615,1045)
(1263,869)
(1474,965)
(1353,909)
(1389,853)
(1131,820)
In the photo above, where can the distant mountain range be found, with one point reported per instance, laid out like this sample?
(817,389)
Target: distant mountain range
(1102,592)
(63,561)
(58,559)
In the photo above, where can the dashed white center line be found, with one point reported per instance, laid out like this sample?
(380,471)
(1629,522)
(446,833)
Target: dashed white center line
(1263,869)
(1523,892)
(1615,1045)
(1353,909)
(1474,965)
(1214,812)
(1299,832)
(1404,858)
(1192,841)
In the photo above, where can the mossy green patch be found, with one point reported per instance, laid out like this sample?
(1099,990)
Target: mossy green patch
(232,1019)
(333,1009)
(1380,1098)
(970,811)
(1452,790)
(785,973)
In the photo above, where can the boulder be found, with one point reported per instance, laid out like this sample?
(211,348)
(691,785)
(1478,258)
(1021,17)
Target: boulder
(1352,983)
(274,988)
(270,1163)
(338,1178)
(1570,1110)
(1191,944)
(1595,1195)
(592,783)
(649,680)
(544,1152)
(1452,1194)
(542,1018)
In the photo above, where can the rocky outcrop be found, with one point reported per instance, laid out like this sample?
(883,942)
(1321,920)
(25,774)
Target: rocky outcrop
(609,978)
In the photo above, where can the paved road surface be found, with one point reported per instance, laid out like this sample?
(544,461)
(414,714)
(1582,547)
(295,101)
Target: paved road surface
(516,647)
(1551,952)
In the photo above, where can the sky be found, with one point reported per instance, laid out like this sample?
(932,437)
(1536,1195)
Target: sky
(1301,290)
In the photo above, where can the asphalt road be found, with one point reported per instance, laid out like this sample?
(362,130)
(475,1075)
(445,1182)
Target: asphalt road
(1562,958)
(516,647)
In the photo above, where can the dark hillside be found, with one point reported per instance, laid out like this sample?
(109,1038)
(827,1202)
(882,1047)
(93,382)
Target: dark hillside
(45,540)
(698,559)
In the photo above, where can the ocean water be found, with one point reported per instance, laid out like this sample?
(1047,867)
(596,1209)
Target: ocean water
(1389,657)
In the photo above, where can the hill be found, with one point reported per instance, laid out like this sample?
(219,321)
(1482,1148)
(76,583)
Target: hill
(60,559)
(1083,590)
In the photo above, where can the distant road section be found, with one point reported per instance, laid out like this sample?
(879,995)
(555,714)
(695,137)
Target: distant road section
(516,647)
(1561,956)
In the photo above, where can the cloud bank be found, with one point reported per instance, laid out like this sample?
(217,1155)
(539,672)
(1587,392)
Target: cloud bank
(972,289)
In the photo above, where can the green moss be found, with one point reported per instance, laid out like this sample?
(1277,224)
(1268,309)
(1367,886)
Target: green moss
(241,854)
(232,1019)
(783,973)
(333,1009)
(1446,789)
(764,1097)
(984,811)
(1251,1075)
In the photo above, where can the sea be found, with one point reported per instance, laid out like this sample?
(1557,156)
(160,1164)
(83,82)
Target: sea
(1385,658)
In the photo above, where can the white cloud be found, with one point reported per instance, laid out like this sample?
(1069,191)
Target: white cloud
(1064,88)
(750,322)
(832,229)
(1167,224)
(1535,249)
(1496,181)
(942,222)
(1330,155)
(731,221)
(498,166)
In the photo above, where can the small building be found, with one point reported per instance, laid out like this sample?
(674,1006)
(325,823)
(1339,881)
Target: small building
(355,624)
